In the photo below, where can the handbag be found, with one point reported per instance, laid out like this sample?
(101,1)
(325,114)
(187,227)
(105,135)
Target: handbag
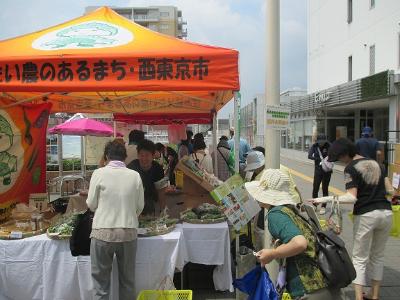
(79,242)
(335,217)
(326,165)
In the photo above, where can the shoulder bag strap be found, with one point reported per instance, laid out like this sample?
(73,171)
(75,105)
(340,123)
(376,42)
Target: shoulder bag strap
(320,154)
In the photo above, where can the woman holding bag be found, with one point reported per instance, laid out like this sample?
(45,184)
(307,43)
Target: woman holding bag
(318,152)
(304,279)
(366,185)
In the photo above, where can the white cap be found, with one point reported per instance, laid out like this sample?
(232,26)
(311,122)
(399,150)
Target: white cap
(254,160)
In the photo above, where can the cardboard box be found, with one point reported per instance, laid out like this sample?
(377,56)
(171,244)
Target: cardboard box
(39,200)
(188,172)
(393,168)
(397,154)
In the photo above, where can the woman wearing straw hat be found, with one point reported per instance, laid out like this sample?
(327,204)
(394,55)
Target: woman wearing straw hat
(304,279)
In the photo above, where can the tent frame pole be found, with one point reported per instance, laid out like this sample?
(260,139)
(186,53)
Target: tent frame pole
(214,141)
(236,122)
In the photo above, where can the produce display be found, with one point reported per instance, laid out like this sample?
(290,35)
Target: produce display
(26,221)
(63,228)
(204,214)
(23,228)
(151,226)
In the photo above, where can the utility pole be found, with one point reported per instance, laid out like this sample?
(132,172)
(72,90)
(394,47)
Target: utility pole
(272,97)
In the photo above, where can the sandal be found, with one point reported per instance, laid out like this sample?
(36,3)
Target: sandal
(366,298)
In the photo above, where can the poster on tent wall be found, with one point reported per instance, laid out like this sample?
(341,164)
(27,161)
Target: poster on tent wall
(22,154)
(94,149)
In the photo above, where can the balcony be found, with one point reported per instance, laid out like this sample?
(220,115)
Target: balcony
(181,21)
(182,34)
(146,18)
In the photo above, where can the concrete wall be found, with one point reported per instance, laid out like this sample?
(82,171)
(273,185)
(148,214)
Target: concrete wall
(331,40)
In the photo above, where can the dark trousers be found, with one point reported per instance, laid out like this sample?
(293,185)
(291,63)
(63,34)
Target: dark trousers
(325,178)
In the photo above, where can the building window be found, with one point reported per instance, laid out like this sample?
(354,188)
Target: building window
(350,68)
(164,14)
(371,4)
(349,11)
(164,26)
(153,27)
(372,60)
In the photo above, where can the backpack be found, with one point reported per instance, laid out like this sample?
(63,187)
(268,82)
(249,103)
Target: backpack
(332,256)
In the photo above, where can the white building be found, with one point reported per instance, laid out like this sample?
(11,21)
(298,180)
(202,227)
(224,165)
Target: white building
(164,19)
(353,66)
(351,39)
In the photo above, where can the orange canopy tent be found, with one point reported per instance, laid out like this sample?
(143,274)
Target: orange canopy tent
(104,63)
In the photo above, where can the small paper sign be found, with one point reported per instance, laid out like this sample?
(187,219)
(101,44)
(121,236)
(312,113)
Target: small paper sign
(396,180)
(16,235)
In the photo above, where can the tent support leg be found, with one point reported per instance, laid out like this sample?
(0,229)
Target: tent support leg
(236,116)
(214,141)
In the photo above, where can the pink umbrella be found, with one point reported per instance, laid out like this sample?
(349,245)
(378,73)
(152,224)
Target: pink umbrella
(83,127)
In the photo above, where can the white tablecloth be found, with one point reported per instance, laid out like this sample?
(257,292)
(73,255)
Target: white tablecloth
(209,244)
(40,268)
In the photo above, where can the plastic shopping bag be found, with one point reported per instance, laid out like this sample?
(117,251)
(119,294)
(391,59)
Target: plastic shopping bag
(335,217)
(257,285)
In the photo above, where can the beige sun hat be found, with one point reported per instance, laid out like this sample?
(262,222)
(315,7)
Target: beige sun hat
(273,188)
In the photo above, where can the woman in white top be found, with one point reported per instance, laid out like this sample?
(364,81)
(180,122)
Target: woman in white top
(116,197)
(203,159)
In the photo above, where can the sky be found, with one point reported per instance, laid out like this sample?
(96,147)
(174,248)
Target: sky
(238,24)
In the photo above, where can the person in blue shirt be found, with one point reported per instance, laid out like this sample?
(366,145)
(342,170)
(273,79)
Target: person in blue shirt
(244,146)
(368,146)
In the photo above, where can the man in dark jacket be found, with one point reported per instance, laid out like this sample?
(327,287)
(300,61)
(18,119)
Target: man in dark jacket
(368,146)
(318,150)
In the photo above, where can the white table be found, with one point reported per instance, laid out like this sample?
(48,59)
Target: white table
(209,244)
(40,268)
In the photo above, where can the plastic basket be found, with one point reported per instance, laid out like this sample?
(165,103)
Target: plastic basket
(165,295)
(286,296)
